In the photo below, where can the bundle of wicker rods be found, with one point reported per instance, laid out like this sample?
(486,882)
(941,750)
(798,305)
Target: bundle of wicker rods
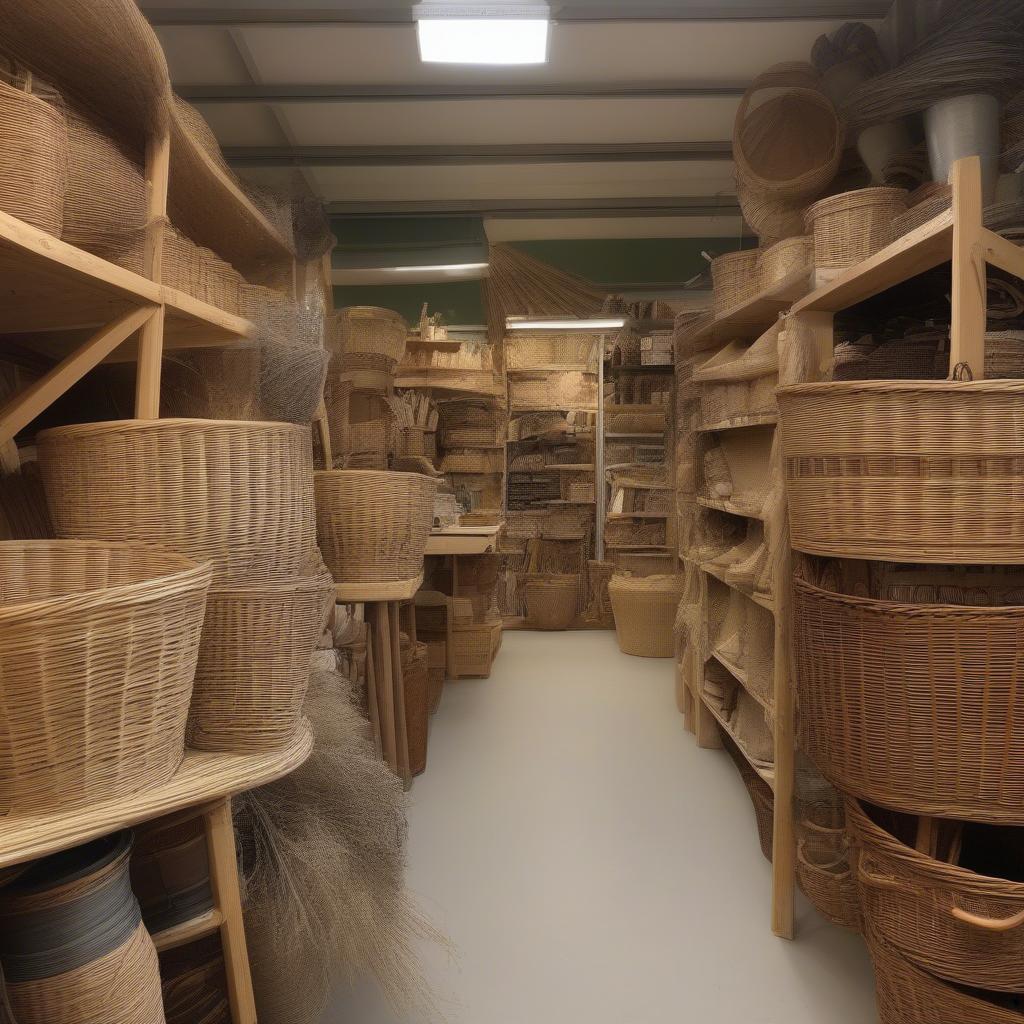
(237,493)
(98,646)
(645,611)
(72,944)
(937,462)
(33,155)
(950,921)
(372,527)
(551,601)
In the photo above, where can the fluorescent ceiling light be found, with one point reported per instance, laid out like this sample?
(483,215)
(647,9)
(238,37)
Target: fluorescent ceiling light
(557,324)
(483,40)
(435,267)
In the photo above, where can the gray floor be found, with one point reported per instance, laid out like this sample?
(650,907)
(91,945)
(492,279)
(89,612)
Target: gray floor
(591,864)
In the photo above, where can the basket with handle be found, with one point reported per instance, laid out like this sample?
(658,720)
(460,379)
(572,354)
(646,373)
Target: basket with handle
(98,647)
(850,227)
(760,793)
(551,601)
(824,874)
(645,612)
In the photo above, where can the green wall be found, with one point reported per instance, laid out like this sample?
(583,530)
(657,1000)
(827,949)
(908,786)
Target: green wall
(459,302)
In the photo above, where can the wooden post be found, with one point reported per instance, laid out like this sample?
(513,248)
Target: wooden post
(381,626)
(398,683)
(970,290)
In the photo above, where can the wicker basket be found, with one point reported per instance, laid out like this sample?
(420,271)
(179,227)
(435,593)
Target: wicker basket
(736,277)
(934,692)
(417,703)
(72,944)
(951,922)
(474,647)
(645,611)
(33,159)
(369,331)
(790,256)
(98,646)
(938,463)
(551,601)
(850,227)
(254,663)
(761,795)
(373,527)
(824,875)
(239,494)
(923,205)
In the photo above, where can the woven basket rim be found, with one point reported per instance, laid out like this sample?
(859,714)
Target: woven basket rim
(726,258)
(903,386)
(391,474)
(103,426)
(298,585)
(887,609)
(369,313)
(856,199)
(121,843)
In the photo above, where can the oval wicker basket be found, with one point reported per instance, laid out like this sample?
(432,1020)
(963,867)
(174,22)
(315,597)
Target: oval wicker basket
(373,527)
(951,922)
(736,278)
(98,647)
(924,683)
(369,331)
(850,227)
(824,875)
(645,612)
(72,944)
(237,493)
(254,663)
(551,601)
(790,256)
(905,471)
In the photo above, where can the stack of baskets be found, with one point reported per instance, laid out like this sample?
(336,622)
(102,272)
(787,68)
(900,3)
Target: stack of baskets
(645,612)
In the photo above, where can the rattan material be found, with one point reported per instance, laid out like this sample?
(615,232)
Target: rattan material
(369,330)
(910,899)
(33,158)
(850,227)
(923,204)
(924,684)
(474,647)
(824,875)
(237,493)
(469,460)
(373,527)
(761,795)
(98,646)
(645,611)
(790,256)
(551,602)
(736,278)
(907,471)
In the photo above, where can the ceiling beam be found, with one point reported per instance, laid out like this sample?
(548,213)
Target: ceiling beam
(467,156)
(428,93)
(545,209)
(399,12)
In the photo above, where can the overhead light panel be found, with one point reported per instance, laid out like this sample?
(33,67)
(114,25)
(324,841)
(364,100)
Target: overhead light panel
(498,34)
(612,323)
(437,267)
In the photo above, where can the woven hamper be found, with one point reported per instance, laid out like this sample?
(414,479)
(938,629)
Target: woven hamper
(551,601)
(850,227)
(370,338)
(254,663)
(417,703)
(905,471)
(72,944)
(237,493)
(373,527)
(474,647)
(760,793)
(98,647)
(645,611)
(824,875)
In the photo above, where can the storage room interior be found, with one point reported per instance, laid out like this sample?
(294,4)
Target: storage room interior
(511,512)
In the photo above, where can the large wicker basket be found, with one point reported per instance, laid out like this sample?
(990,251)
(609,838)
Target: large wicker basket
(645,612)
(373,527)
(98,647)
(237,493)
(72,944)
(370,337)
(908,471)
(736,278)
(254,663)
(551,601)
(850,227)
(952,922)
(933,691)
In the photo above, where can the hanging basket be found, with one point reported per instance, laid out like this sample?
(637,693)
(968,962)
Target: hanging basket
(239,494)
(551,602)
(373,527)
(905,471)
(850,227)
(645,612)
(98,646)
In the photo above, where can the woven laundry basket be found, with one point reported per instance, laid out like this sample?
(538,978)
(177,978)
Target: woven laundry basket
(98,647)
(852,226)
(760,793)
(254,662)
(373,527)
(237,493)
(551,601)
(369,337)
(937,462)
(417,703)
(951,922)
(474,647)
(33,157)
(645,611)
(736,278)
(72,944)
(824,874)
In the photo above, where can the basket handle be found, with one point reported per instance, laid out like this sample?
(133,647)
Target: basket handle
(804,861)
(988,924)
(877,881)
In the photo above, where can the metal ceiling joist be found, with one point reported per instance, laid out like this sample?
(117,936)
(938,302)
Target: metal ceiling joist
(437,156)
(542,209)
(417,93)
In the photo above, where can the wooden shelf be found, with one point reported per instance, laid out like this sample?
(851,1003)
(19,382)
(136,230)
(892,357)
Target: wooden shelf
(658,439)
(739,674)
(568,467)
(473,540)
(767,419)
(653,368)
(646,409)
(637,547)
(727,506)
(465,383)
(525,410)
(638,515)
(767,774)
(367,593)
(550,368)
(760,599)
(188,931)
(201,779)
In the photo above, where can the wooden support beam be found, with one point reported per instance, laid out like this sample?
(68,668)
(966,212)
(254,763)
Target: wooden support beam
(398,684)
(970,290)
(1002,253)
(25,406)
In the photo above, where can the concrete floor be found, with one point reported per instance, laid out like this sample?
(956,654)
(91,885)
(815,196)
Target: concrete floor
(591,864)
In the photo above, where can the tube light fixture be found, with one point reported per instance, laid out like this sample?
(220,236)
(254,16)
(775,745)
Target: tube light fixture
(611,323)
(455,33)
(446,267)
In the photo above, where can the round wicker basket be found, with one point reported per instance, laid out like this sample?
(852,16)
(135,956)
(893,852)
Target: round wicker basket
(237,493)
(645,612)
(369,331)
(850,227)
(98,646)
(551,601)
(373,526)
(736,278)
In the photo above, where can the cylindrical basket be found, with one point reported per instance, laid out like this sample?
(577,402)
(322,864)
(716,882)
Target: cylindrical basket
(850,227)
(905,470)
(254,663)
(72,944)
(551,602)
(736,278)
(645,612)
(373,527)
(923,683)
(237,493)
(98,647)
(369,331)
(951,922)
(790,256)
